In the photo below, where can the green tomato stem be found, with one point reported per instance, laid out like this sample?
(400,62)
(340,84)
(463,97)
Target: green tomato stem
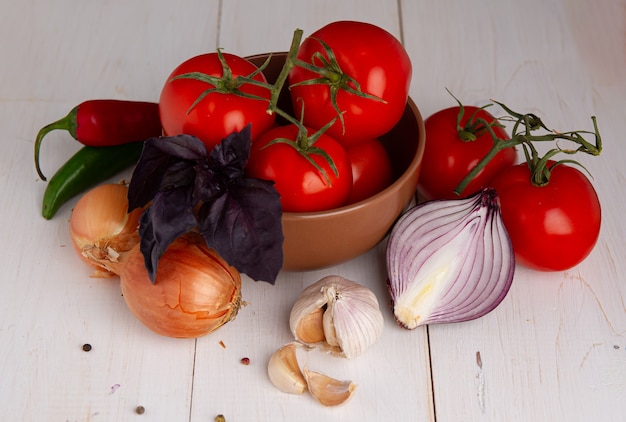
(290,62)
(498,146)
(522,134)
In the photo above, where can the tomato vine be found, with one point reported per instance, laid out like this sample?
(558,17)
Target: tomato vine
(523,133)
(329,72)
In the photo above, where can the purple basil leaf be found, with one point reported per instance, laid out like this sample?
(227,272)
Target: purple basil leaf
(158,155)
(231,155)
(178,174)
(184,147)
(244,227)
(239,217)
(169,216)
(146,178)
(207,184)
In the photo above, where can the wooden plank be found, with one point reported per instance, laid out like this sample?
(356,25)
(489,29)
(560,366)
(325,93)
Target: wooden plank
(249,28)
(54,56)
(554,349)
(393,376)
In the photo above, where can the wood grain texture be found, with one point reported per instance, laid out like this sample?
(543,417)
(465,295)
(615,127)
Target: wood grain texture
(55,56)
(554,350)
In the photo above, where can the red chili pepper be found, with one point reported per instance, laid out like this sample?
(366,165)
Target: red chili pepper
(101,123)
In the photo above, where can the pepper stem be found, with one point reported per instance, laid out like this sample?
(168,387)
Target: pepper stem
(67,123)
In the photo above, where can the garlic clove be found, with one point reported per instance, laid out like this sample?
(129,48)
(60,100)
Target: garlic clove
(284,371)
(328,391)
(351,320)
(310,327)
(357,321)
(328,325)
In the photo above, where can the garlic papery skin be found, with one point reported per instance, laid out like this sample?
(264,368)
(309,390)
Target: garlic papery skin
(328,391)
(337,315)
(449,261)
(284,371)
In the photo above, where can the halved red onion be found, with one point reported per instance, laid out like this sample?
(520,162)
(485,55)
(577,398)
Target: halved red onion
(449,260)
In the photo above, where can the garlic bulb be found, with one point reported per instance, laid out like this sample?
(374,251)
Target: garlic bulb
(338,315)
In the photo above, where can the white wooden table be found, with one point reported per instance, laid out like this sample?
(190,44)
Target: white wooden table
(555,350)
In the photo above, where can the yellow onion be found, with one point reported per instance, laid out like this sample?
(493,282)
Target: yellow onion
(100,225)
(195,290)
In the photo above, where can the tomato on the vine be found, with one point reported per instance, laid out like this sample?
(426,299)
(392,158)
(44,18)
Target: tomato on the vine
(371,169)
(364,57)
(204,97)
(552,227)
(278,155)
(450,153)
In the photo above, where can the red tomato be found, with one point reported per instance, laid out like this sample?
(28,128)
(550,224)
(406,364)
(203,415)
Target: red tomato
(302,187)
(371,169)
(448,158)
(552,227)
(375,59)
(217,115)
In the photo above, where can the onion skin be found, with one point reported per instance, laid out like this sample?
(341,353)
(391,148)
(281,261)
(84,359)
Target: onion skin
(100,225)
(195,290)
(449,261)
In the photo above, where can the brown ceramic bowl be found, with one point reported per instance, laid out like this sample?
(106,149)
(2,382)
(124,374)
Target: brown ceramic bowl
(315,240)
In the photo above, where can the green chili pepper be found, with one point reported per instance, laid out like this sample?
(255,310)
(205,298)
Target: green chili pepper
(88,167)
